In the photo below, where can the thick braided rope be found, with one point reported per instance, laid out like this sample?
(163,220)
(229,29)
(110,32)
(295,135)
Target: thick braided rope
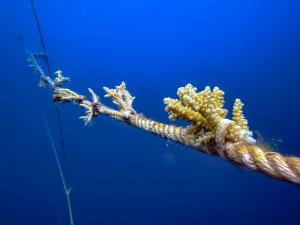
(270,163)
(251,156)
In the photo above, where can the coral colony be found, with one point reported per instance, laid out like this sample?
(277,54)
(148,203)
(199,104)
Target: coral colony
(209,129)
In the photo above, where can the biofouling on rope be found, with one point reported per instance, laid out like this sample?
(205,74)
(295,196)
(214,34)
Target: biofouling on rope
(210,131)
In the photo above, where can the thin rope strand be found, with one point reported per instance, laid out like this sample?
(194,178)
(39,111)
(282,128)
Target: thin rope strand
(41,36)
(67,190)
(46,59)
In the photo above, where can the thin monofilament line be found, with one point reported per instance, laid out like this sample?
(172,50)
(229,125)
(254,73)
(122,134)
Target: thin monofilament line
(41,36)
(46,60)
(67,190)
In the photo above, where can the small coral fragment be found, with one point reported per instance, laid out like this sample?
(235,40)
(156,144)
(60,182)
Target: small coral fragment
(34,65)
(122,98)
(91,109)
(88,117)
(60,78)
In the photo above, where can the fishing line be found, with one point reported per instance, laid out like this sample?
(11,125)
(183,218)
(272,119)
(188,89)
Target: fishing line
(64,177)
(41,36)
(67,189)
(44,56)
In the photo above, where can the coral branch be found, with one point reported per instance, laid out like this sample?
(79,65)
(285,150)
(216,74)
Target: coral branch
(209,129)
(91,109)
(122,98)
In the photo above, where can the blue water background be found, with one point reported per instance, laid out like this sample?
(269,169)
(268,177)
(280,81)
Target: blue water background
(122,175)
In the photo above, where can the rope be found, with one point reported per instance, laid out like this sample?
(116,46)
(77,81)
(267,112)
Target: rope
(61,166)
(252,156)
(41,36)
(45,57)
(67,189)
(267,162)
(242,152)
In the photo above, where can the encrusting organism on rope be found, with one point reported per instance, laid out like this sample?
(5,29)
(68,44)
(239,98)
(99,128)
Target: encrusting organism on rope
(209,130)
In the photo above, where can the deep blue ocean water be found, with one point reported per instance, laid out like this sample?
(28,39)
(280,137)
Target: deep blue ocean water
(122,175)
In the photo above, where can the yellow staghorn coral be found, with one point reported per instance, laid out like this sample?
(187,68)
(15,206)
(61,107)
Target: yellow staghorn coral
(204,110)
(209,129)
(238,116)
